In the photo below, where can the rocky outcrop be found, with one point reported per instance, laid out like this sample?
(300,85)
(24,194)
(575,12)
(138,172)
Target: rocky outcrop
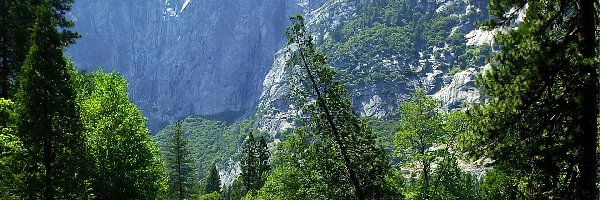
(380,98)
(185,57)
(461,89)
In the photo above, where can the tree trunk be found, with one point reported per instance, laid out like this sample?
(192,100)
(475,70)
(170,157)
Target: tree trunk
(48,187)
(4,72)
(586,181)
(321,102)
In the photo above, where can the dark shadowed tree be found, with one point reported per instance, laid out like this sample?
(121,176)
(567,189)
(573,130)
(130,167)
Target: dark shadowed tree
(212,183)
(48,121)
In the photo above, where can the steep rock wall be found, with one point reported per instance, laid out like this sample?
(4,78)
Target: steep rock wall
(184,57)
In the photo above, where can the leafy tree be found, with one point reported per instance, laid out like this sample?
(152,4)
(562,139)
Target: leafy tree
(421,130)
(210,196)
(49,122)
(182,177)
(539,123)
(125,159)
(297,172)
(212,183)
(351,158)
(499,185)
(11,149)
(454,183)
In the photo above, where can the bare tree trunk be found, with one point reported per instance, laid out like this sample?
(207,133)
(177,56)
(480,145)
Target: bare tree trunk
(586,181)
(321,102)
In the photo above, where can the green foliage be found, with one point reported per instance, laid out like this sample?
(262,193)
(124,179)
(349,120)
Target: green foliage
(399,30)
(451,182)
(299,175)
(211,196)
(254,164)
(249,164)
(11,149)
(212,140)
(454,70)
(212,183)
(235,191)
(125,159)
(499,185)
(16,23)
(180,166)
(540,123)
(348,160)
(421,130)
(48,122)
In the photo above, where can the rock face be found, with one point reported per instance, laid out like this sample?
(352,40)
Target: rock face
(185,57)
(381,97)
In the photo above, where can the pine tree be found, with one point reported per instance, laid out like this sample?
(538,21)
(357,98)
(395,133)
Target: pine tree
(61,7)
(263,162)
(352,155)
(182,177)
(249,164)
(125,159)
(16,21)
(212,183)
(15,24)
(540,124)
(49,122)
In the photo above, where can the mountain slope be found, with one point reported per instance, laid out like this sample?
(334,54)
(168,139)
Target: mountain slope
(184,57)
(384,50)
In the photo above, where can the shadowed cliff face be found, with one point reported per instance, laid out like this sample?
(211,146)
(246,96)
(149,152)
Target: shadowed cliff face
(184,57)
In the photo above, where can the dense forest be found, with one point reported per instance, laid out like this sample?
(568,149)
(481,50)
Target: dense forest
(70,134)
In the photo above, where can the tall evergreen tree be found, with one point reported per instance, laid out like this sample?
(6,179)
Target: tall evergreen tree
(262,155)
(125,159)
(182,176)
(16,22)
(540,124)
(212,183)
(61,7)
(358,160)
(249,164)
(49,122)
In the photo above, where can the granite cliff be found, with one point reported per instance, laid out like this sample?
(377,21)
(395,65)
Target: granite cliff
(185,57)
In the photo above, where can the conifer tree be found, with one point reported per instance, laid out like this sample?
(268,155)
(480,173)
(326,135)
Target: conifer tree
(212,183)
(49,122)
(263,161)
(182,176)
(351,155)
(540,124)
(248,163)
(16,22)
